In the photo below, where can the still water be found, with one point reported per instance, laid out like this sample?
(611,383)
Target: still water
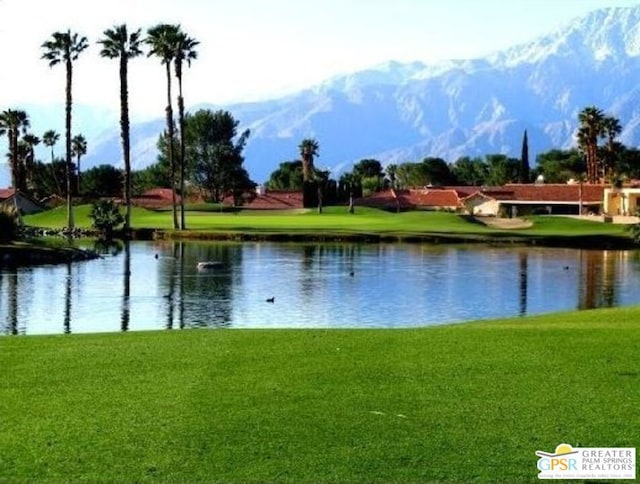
(157,285)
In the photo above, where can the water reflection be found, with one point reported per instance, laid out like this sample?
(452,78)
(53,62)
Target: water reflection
(155,285)
(126,289)
(524,264)
(67,300)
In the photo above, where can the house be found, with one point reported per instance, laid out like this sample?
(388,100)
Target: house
(513,200)
(16,200)
(621,200)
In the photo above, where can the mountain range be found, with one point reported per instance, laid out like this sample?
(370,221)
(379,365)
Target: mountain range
(399,112)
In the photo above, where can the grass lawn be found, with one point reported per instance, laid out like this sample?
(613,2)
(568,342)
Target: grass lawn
(469,402)
(336,221)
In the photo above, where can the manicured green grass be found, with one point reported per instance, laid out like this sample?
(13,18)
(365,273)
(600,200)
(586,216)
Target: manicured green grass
(459,403)
(336,221)
(553,225)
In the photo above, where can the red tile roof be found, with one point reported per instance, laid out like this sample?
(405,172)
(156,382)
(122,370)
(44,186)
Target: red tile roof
(407,199)
(155,198)
(275,200)
(554,193)
(7,193)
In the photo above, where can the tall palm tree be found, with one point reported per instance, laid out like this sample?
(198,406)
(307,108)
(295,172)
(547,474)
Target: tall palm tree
(590,130)
(13,122)
(118,43)
(309,148)
(31,141)
(65,47)
(78,149)
(162,40)
(611,128)
(50,138)
(185,51)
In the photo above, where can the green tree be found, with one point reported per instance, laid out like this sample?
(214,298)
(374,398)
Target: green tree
(369,174)
(629,163)
(470,171)
(105,217)
(44,176)
(612,149)
(78,149)
(65,47)
(103,181)
(213,144)
(524,174)
(119,44)
(162,40)
(153,176)
(560,166)
(288,176)
(50,138)
(309,149)
(368,168)
(12,123)
(411,175)
(591,129)
(185,51)
(502,169)
(350,181)
(437,171)
(30,141)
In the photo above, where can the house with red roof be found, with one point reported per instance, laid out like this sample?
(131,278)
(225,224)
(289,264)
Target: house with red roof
(16,200)
(508,200)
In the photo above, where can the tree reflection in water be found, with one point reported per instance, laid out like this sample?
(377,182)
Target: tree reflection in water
(126,289)
(523,258)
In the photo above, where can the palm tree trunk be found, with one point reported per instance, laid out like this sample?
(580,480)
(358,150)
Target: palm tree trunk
(13,158)
(172,166)
(182,152)
(124,133)
(78,177)
(69,103)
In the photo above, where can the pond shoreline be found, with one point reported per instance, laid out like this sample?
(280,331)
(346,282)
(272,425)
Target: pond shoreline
(22,254)
(595,242)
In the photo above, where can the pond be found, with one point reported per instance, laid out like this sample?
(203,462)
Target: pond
(157,285)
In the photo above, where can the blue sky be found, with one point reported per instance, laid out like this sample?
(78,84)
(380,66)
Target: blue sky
(255,49)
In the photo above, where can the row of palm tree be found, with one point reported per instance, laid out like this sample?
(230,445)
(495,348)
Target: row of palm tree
(167,42)
(22,143)
(595,125)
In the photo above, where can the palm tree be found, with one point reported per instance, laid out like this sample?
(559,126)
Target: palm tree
(78,149)
(65,47)
(590,130)
(162,40)
(185,51)
(308,151)
(31,141)
(12,122)
(119,44)
(50,138)
(611,128)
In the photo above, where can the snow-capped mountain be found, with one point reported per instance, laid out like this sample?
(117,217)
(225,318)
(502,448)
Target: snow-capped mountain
(404,112)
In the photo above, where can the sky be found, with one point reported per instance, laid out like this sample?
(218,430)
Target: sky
(259,49)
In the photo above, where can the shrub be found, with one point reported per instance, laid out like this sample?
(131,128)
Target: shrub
(106,217)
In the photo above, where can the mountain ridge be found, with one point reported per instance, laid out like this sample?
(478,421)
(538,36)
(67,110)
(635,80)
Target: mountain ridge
(398,112)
